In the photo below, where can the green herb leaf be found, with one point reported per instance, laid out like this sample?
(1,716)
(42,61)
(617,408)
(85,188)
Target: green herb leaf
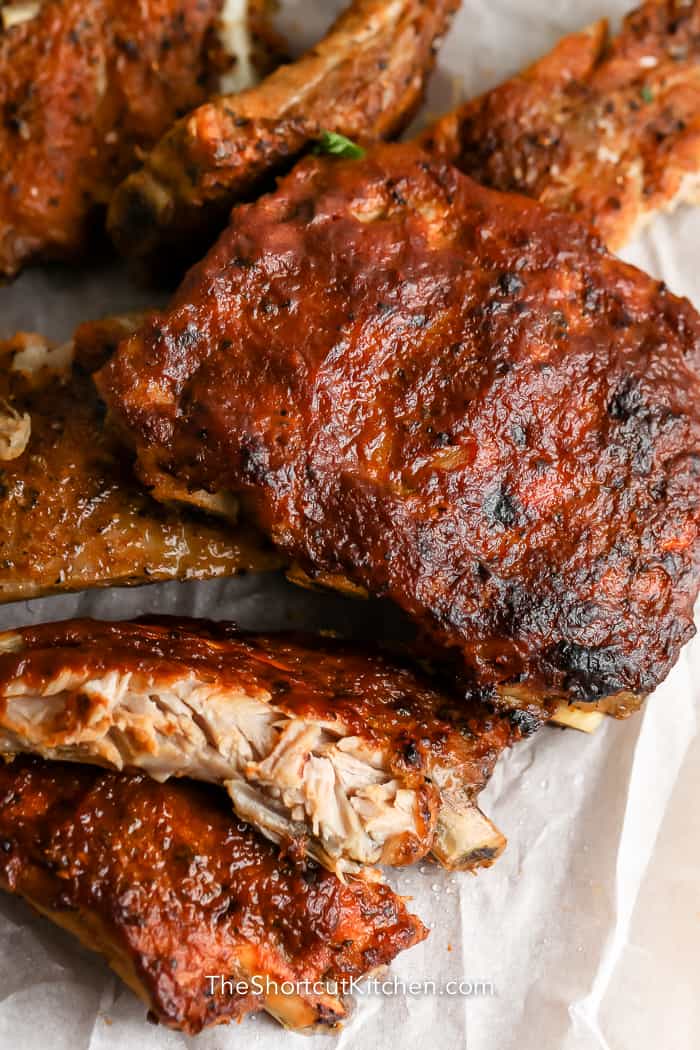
(647,94)
(338,145)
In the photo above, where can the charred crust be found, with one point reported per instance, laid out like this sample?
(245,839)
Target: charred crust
(524,722)
(590,672)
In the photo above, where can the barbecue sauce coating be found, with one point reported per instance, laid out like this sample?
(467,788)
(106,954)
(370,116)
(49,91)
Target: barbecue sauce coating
(84,86)
(366,692)
(180,889)
(455,398)
(608,130)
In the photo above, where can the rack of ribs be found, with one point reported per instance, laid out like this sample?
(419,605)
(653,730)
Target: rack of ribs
(172,889)
(364,79)
(72,512)
(453,398)
(85,85)
(605,129)
(328,749)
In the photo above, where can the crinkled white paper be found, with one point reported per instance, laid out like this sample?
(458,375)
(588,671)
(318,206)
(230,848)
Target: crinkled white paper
(588,928)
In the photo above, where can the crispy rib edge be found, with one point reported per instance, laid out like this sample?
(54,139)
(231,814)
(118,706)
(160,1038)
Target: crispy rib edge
(290,1010)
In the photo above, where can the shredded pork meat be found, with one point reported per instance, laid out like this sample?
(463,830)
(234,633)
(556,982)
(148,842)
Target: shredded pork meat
(329,764)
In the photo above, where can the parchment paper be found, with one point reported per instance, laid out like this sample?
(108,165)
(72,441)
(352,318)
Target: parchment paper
(589,926)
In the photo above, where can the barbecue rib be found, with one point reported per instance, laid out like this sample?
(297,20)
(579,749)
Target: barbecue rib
(84,86)
(164,882)
(606,130)
(72,513)
(453,397)
(323,747)
(365,78)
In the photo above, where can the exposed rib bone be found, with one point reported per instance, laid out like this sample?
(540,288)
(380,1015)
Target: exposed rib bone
(576,718)
(16,14)
(465,838)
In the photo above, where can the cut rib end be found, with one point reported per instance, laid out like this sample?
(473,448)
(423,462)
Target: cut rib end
(465,838)
(140,209)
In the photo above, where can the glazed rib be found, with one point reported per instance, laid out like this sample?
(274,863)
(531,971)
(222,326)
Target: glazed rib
(327,749)
(605,129)
(72,512)
(364,79)
(452,397)
(164,882)
(85,85)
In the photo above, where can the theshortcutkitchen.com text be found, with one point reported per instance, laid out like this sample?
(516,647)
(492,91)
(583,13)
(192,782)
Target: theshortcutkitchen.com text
(220,984)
